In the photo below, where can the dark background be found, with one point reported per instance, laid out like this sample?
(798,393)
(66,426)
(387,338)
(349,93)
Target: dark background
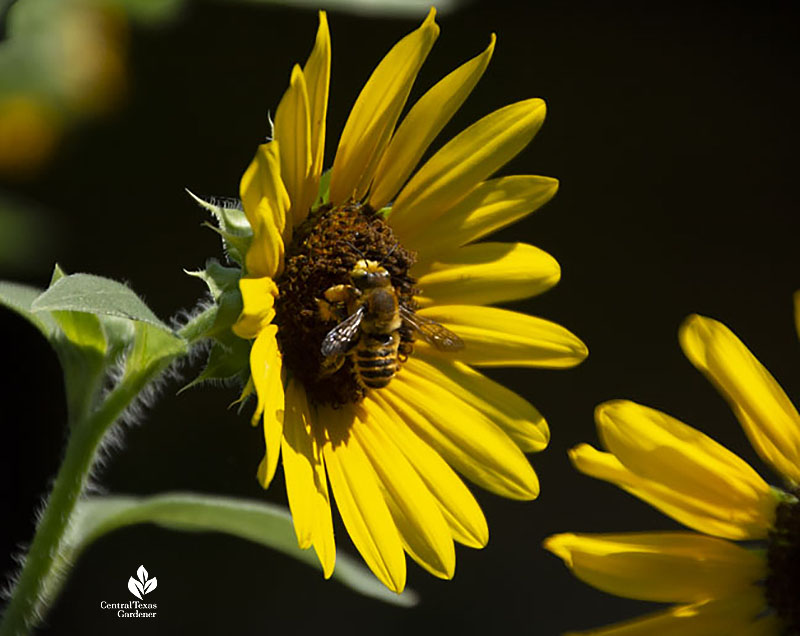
(674,131)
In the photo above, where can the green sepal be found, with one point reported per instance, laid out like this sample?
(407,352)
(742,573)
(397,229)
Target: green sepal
(234,227)
(229,355)
(218,278)
(153,349)
(324,191)
(259,522)
(223,283)
(225,362)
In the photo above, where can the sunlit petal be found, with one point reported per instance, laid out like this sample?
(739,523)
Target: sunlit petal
(703,513)
(670,567)
(360,502)
(767,415)
(317,72)
(487,273)
(424,121)
(460,510)
(425,534)
(372,119)
(659,448)
(499,337)
(461,164)
(306,483)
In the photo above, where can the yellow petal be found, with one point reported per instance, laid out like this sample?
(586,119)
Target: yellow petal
(659,448)
(317,72)
(258,298)
(460,510)
(768,417)
(266,204)
(464,162)
(669,567)
(702,514)
(376,111)
(487,273)
(498,337)
(306,484)
(360,501)
(732,615)
(421,525)
(424,121)
(518,418)
(265,368)
(489,207)
(467,440)
(293,134)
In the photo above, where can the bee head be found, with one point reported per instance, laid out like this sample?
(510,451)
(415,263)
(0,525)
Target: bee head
(369,274)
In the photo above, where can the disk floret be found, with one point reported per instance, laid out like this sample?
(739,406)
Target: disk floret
(783,558)
(322,254)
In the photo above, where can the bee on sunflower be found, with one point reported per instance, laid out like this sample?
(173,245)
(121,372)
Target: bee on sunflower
(368,304)
(717,586)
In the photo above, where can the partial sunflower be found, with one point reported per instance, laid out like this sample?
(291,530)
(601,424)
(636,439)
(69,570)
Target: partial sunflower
(718,586)
(367,319)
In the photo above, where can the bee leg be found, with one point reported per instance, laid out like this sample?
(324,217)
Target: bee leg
(405,350)
(331,365)
(340,293)
(329,311)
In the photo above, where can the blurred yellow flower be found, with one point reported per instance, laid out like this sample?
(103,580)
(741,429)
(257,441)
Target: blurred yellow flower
(388,451)
(720,587)
(64,60)
(29,130)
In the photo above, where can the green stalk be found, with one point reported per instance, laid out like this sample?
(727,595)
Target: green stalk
(30,596)
(47,558)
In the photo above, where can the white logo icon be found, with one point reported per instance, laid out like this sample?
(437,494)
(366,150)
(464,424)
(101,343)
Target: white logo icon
(143,585)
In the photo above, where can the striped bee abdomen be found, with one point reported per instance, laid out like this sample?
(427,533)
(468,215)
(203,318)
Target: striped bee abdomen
(375,359)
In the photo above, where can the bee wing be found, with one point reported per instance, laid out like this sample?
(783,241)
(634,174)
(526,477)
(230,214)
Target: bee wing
(432,332)
(339,339)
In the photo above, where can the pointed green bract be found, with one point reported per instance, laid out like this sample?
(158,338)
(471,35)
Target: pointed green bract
(233,227)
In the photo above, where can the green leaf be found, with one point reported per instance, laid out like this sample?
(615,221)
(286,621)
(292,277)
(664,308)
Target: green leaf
(259,522)
(19,299)
(80,328)
(96,295)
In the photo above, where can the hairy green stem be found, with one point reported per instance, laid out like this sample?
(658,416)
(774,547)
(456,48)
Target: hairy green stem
(47,560)
(28,601)
(196,328)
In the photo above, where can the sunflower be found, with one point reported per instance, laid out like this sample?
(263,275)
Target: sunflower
(718,586)
(386,433)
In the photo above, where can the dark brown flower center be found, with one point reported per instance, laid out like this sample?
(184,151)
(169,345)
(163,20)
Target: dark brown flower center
(783,558)
(323,253)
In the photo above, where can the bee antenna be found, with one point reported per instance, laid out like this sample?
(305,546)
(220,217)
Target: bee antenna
(355,249)
(394,247)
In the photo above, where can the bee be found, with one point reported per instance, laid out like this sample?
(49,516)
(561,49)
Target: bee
(369,333)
